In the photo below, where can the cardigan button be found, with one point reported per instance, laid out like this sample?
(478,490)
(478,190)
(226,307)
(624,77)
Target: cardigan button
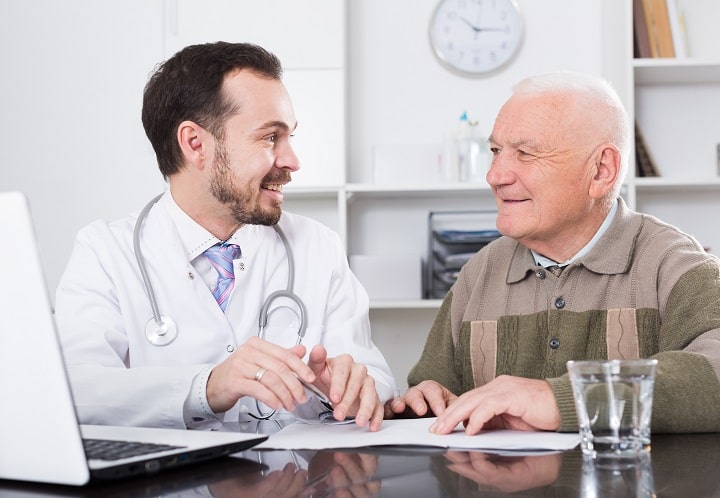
(554,343)
(560,303)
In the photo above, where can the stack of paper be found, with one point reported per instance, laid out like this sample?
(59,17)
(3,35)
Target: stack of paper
(413,432)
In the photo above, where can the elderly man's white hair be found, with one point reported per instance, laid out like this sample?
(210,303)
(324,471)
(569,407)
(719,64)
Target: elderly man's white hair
(597,98)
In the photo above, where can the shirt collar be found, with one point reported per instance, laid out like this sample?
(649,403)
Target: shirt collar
(545,262)
(611,253)
(195,239)
(615,250)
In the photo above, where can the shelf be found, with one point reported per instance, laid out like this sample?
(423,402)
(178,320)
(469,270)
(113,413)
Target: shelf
(675,71)
(294,192)
(405,304)
(434,190)
(648,184)
(383,190)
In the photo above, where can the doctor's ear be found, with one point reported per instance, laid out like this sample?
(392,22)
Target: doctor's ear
(193,141)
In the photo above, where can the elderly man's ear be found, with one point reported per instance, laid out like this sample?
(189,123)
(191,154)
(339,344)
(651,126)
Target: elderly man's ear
(606,171)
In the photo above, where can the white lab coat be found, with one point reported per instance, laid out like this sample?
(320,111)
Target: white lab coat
(102,308)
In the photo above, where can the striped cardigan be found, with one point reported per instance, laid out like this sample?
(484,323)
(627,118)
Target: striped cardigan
(645,290)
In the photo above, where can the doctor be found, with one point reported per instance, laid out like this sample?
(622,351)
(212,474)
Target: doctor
(164,334)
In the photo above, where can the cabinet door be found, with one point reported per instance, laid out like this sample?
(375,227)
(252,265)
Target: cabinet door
(318,97)
(304,34)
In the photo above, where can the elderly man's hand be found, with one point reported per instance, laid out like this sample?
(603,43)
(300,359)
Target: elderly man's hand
(423,400)
(503,403)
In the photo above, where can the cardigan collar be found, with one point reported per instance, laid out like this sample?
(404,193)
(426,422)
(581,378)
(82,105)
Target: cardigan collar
(613,252)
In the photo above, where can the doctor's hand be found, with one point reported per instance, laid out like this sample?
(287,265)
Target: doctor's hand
(338,473)
(427,399)
(289,482)
(505,402)
(348,386)
(262,370)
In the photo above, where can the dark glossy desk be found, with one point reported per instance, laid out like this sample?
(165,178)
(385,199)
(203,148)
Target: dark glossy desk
(678,466)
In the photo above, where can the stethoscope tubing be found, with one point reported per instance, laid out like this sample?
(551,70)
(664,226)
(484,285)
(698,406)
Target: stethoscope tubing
(141,261)
(162,330)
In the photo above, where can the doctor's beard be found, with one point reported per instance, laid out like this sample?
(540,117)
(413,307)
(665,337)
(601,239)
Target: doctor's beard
(245,209)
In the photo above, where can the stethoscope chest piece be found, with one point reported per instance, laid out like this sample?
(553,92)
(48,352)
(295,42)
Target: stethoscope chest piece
(161,332)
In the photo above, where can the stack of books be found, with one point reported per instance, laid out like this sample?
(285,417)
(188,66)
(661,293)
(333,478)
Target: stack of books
(644,163)
(659,29)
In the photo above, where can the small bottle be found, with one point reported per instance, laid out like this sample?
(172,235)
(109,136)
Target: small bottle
(465,156)
(472,152)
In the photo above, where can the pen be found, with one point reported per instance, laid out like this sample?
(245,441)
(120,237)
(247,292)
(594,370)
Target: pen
(318,393)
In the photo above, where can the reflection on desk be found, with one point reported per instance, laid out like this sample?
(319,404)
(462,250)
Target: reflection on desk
(677,466)
(182,481)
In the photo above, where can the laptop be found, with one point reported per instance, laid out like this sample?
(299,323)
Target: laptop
(41,439)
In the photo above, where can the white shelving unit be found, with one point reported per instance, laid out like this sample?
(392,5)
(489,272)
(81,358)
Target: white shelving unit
(676,104)
(675,71)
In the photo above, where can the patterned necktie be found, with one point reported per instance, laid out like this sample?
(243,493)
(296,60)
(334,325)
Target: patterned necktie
(221,257)
(555,269)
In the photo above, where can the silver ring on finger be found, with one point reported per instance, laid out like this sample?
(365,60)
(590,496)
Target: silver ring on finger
(260,373)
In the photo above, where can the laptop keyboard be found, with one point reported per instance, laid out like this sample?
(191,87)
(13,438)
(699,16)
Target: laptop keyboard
(103,449)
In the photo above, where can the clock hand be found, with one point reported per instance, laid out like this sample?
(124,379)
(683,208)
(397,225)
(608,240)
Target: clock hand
(477,29)
(472,26)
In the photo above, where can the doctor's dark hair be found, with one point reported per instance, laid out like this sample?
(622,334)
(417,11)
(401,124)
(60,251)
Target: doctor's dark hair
(188,86)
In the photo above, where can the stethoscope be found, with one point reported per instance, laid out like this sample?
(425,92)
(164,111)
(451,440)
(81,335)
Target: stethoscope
(162,330)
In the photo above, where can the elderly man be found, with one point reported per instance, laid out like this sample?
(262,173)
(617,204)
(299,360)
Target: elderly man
(577,275)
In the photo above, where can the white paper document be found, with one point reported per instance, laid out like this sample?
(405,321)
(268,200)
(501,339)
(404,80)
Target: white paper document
(413,432)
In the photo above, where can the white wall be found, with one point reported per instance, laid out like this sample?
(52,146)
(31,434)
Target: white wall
(70,130)
(701,28)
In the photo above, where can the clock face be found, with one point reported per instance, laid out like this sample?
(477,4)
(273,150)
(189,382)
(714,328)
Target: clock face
(475,37)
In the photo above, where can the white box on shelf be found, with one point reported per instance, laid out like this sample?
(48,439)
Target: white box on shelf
(389,277)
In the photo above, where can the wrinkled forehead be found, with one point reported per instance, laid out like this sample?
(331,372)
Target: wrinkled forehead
(540,117)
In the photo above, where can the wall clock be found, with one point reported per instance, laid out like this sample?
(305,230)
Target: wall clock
(476,37)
